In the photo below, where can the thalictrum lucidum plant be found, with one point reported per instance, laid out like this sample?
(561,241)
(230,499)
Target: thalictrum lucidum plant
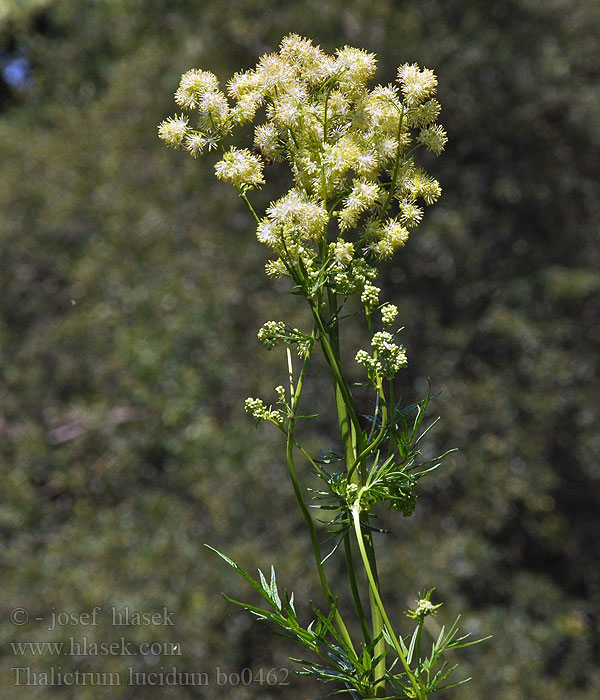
(357,193)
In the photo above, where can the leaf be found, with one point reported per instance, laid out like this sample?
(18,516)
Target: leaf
(273,587)
(411,647)
(261,613)
(263,590)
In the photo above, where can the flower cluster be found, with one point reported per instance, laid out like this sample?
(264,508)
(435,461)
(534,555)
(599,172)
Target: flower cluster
(342,253)
(387,358)
(291,224)
(424,607)
(388,314)
(370,295)
(259,411)
(174,130)
(270,333)
(240,167)
(350,149)
(355,278)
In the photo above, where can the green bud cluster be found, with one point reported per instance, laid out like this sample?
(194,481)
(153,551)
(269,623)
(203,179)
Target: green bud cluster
(355,278)
(257,409)
(387,357)
(370,295)
(424,607)
(389,312)
(270,333)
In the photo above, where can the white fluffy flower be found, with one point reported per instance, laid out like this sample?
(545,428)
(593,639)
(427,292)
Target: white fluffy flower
(240,167)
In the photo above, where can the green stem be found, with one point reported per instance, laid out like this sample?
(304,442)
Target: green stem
(354,588)
(247,203)
(295,398)
(370,448)
(376,620)
(374,590)
(348,436)
(393,440)
(345,406)
(333,362)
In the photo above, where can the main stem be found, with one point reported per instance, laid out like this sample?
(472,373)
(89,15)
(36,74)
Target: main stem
(290,443)
(352,440)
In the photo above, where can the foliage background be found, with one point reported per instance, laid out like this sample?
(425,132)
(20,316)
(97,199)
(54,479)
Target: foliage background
(132,288)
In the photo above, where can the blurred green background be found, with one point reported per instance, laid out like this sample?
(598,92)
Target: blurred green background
(132,288)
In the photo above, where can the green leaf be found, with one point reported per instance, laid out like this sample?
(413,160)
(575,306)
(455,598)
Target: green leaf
(273,586)
(263,590)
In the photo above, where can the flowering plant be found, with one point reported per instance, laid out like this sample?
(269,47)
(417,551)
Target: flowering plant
(356,194)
